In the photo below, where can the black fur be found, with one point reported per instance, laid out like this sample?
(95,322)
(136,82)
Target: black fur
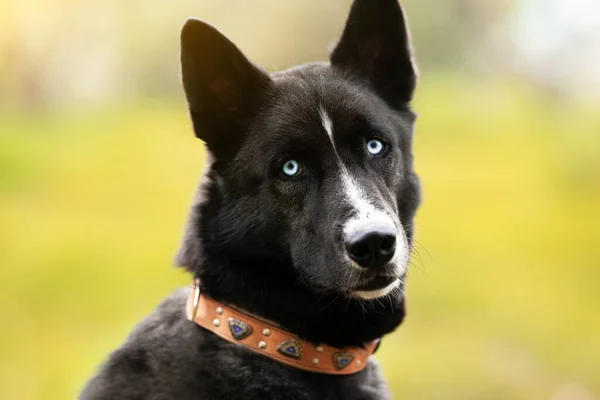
(272,244)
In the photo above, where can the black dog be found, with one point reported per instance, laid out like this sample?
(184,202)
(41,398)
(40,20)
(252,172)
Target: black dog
(304,217)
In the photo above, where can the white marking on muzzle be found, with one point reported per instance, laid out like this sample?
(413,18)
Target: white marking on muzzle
(368,215)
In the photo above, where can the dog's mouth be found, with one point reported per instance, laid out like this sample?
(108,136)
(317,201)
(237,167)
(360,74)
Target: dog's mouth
(376,287)
(377,283)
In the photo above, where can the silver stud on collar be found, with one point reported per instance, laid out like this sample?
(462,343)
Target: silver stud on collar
(315,361)
(319,349)
(262,344)
(267,332)
(216,322)
(220,310)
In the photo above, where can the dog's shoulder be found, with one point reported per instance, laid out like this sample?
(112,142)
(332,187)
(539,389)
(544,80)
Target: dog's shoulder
(168,357)
(160,348)
(166,323)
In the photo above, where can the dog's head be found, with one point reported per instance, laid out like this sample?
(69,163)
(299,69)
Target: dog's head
(311,168)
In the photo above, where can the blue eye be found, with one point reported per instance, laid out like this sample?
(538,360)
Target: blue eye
(291,168)
(375,146)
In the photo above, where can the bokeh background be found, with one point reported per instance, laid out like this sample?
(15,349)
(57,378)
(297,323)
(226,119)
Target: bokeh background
(98,165)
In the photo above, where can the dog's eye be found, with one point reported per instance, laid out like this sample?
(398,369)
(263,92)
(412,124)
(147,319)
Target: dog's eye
(375,146)
(291,168)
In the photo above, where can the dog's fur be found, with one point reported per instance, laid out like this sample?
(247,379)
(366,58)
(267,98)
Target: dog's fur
(272,244)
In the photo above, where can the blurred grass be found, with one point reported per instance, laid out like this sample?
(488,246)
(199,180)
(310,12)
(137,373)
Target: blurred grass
(503,296)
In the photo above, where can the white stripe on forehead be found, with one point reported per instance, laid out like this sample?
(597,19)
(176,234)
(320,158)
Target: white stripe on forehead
(327,124)
(354,195)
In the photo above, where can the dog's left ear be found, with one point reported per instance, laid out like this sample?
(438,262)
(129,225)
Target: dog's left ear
(376,46)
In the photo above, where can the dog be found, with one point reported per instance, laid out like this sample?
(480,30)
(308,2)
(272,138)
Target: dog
(300,236)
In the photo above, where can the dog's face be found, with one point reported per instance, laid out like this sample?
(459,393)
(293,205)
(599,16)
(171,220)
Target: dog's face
(312,167)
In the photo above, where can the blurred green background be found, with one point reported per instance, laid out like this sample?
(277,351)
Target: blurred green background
(98,165)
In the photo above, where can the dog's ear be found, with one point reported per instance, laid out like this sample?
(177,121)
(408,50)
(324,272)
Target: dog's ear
(376,45)
(222,86)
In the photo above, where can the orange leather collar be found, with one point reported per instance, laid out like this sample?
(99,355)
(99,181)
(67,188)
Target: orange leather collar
(271,341)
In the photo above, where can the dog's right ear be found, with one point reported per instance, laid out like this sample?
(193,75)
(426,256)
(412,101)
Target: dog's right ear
(223,88)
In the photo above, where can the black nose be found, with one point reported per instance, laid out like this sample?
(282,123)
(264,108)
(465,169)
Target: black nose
(372,248)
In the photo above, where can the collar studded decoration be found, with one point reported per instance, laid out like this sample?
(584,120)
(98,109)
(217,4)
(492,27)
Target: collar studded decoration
(271,341)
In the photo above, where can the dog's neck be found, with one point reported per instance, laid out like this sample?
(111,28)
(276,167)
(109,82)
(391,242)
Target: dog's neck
(276,295)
